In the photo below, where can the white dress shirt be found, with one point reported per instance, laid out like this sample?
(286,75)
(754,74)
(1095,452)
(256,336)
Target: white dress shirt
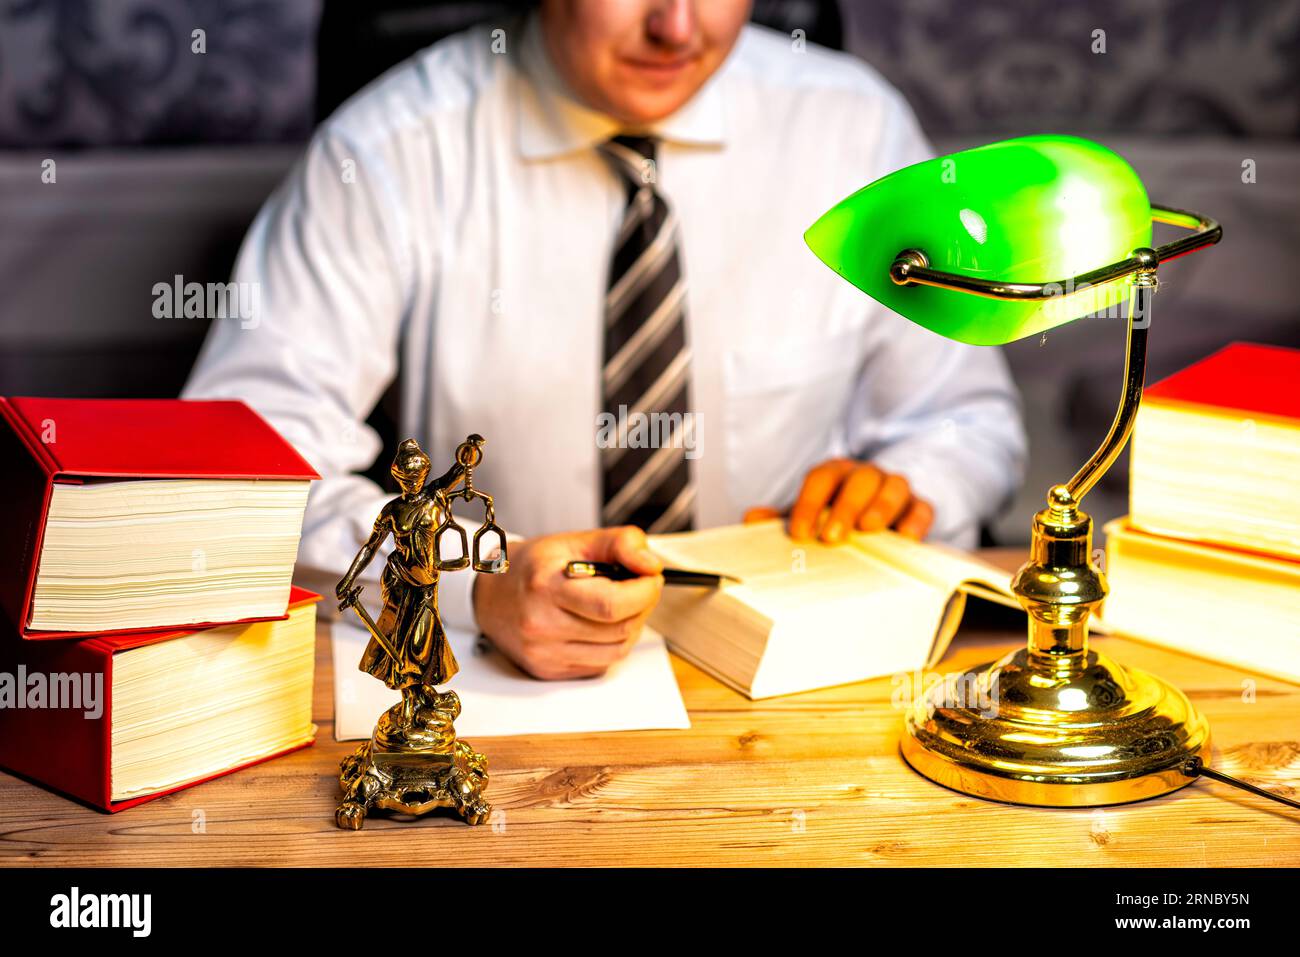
(454,219)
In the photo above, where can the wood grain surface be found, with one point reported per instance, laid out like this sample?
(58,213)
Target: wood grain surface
(809,779)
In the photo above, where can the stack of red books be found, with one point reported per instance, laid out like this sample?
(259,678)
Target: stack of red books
(146,560)
(1208,559)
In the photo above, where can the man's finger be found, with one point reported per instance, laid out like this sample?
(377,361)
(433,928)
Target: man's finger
(857,490)
(916,520)
(554,626)
(582,659)
(625,545)
(761,513)
(818,487)
(605,601)
(888,504)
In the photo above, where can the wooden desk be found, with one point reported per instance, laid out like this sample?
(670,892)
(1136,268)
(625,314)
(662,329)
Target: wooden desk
(807,779)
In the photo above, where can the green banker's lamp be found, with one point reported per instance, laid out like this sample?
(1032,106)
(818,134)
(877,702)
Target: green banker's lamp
(988,246)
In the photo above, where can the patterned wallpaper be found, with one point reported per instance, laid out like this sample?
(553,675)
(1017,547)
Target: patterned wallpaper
(1205,67)
(124,72)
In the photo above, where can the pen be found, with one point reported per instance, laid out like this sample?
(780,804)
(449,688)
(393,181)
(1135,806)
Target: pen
(672,576)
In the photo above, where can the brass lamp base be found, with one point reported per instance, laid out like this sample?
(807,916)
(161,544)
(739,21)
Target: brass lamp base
(1056,723)
(1086,736)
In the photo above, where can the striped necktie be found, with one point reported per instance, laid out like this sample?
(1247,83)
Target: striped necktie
(646,478)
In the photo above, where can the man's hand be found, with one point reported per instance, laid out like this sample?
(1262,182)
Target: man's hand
(558,627)
(858,495)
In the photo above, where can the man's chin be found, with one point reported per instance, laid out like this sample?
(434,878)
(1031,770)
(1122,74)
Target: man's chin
(640,108)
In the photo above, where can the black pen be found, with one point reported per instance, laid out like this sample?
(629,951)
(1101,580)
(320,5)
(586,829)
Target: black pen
(618,573)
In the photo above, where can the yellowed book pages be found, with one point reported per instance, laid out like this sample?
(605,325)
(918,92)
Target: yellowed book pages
(1234,607)
(209,701)
(1246,500)
(124,554)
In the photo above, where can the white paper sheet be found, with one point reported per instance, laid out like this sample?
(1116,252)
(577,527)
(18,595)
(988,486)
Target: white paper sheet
(638,693)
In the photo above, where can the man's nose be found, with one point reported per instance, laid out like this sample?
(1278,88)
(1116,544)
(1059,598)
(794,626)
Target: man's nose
(672,23)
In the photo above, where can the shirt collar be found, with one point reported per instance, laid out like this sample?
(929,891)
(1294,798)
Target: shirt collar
(553,121)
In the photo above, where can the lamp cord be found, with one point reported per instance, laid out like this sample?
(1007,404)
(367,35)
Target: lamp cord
(1195,768)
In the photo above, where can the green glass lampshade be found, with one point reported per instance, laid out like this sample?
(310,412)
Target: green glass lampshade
(1031,210)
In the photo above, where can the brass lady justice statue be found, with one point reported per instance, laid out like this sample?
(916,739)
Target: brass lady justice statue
(414,762)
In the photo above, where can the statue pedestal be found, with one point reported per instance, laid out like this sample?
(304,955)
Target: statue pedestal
(414,765)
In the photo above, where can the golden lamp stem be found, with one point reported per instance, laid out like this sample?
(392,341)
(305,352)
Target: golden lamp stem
(1059,586)
(1144,284)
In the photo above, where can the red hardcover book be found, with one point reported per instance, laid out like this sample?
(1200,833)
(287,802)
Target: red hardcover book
(71,748)
(44,441)
(1242,378)
(1216,449)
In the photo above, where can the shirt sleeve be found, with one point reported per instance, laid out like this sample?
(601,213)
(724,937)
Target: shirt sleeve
(324,261)
(943,414)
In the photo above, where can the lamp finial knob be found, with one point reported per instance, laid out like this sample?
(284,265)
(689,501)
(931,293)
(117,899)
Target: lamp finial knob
(1060,497)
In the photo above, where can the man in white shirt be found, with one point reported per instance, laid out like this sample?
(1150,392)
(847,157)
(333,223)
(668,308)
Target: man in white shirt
(563,231)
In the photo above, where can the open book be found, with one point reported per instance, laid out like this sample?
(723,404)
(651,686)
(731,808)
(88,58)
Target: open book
(808,615)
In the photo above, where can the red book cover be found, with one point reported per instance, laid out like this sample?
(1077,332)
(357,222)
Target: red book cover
(43,441)
(64,749)
(1242,379)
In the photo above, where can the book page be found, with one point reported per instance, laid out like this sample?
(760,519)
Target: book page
(946,568)
(764,558)
(768,561)
(763,549)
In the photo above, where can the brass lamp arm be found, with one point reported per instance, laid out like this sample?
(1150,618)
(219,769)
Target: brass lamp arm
(1135,365)
(912,266)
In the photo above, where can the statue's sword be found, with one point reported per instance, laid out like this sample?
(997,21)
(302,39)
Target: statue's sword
(353,600)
